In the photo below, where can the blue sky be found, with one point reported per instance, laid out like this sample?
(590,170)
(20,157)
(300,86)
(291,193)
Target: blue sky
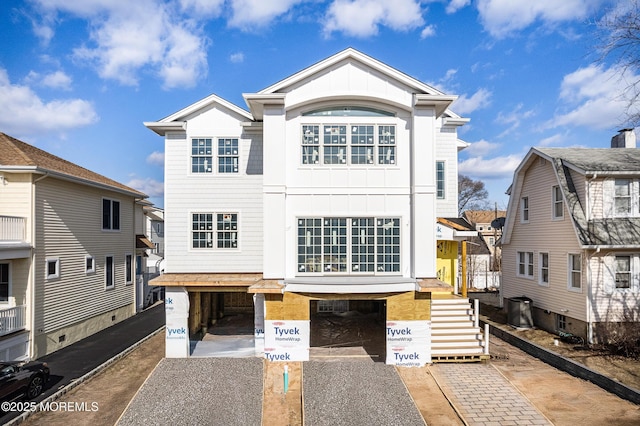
(78,78)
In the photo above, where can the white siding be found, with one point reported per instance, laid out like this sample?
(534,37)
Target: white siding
(609,303)
(69,227)
(15,198)
(187,193)
(447,151)
(542,234)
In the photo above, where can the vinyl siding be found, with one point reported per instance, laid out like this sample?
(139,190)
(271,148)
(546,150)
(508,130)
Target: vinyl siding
(187,193)
(610,304)
(69,227)
(447,151)
(542,234)
(15,198)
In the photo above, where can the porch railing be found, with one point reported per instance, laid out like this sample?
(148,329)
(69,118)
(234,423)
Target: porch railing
(13,319)
(12,228)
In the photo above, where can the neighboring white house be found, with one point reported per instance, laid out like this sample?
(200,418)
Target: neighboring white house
(67,251)
(328,190)
(571,241)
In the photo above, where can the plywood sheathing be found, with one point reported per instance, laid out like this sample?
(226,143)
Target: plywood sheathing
(409,306)
(287,306)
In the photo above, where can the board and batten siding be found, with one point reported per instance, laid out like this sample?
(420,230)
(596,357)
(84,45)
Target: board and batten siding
(69,227)
(543,234)
(187,193)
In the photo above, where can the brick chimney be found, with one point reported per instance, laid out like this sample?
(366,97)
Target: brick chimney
(625,138)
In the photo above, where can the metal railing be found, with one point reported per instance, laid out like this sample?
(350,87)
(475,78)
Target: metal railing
(13,319)
(12,228)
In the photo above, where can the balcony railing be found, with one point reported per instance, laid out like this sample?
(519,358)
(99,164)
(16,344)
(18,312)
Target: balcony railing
(13,319)
(12,228)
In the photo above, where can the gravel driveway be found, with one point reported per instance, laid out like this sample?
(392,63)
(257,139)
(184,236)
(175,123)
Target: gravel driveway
(356,393)
(200,391)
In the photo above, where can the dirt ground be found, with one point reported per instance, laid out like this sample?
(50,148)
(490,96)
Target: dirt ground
(624,370)
(563,399)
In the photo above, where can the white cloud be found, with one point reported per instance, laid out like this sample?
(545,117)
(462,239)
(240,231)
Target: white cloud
(428,31)
(502,17)
(491,168)
(481,148)
(593,97)
(149,186)
(455,5)
(205,8)
(57,80)
(513,119)
(362,18)
(237,57)
(467,104)
(247,14)
(24,113)
(156,158)
(126,37)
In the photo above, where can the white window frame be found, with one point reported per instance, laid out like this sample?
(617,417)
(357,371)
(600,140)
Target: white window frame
(89,269)
(441,179)
(524,210)
(204,152)
(228,153)
(111,226)
(56,262)
(340,257)
(106,272)
(557,203)
(524,259)
(542,268)
(634,275)
(213,235)
(571,272)
(128,269)
(317,145)
(8,283)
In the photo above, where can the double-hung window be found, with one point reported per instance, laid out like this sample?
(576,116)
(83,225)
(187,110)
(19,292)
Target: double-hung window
(622,197)
(623,271)
(524,209)
(525,264)
(201,155)
(575,272)
(223,232)
(558,207)
(228,155)
(110,214)
(543,267)
(358,245)
(348,144)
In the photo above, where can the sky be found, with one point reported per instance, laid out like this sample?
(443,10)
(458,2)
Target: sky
(79,78)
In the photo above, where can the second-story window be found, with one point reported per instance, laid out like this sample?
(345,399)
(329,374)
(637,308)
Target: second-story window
(558,207)
(228,155)
(524,209)
(224,231)
(622,197)
(348,144)
(110,214)
(201,155)
(440,180)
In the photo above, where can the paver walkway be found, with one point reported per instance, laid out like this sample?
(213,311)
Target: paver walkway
(484,397)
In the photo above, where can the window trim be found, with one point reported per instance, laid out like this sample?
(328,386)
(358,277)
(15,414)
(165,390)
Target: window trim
(128,268)
(111,225)
(524,209)
(48,261)
(556,199)
(541,269)
(8,301)
(235,166)
(106,272)
(88,270)
(441,193)
(313,145)
(214,230)
(527,264)
(571,271)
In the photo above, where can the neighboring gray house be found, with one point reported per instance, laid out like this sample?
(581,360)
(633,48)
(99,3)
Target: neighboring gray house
(69,242)
(571,241)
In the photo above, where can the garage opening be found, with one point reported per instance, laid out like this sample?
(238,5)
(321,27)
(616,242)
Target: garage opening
(221,324)
(348,330)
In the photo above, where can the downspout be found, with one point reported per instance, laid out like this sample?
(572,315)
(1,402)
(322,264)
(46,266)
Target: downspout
(590,284)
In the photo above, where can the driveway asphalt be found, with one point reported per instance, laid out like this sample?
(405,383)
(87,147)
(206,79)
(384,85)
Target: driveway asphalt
(70,363)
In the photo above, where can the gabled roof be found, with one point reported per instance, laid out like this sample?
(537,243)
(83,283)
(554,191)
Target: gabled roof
(482,216)
(424,94)
(589,162)
(18,156)
(177,120)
